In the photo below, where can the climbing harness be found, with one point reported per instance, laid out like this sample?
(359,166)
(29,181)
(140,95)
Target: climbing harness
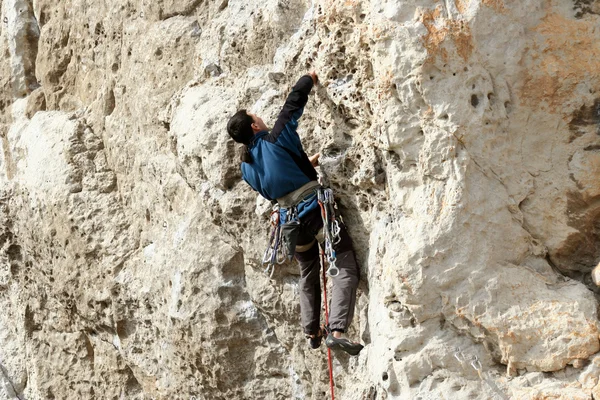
(326,326)
(476,365)
(275,253)
(331,228)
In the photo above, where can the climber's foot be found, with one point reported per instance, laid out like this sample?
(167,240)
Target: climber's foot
(314,341)
(340,343)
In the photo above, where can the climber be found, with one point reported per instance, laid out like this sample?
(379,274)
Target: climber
(276,166)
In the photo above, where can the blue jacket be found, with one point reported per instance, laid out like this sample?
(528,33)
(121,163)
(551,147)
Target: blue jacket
(279,164)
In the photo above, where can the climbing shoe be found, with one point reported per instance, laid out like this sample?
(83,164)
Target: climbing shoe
(315,342)
(343,344)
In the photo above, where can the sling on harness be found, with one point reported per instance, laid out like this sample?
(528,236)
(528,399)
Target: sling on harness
(331,228)
(274,252)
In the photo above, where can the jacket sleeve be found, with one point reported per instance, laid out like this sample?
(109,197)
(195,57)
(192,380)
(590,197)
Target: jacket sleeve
(292,109)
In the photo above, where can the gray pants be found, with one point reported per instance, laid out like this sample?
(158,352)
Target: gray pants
(343,297)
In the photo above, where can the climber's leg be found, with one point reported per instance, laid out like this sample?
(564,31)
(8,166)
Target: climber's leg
(310,288)
(343,297)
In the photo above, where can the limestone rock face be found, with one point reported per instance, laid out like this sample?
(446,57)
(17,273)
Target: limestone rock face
(461,139)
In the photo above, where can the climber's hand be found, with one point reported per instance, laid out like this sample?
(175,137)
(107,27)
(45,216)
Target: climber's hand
(314,77)
(314,159)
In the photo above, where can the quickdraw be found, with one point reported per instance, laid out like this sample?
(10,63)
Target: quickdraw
(331,228)
(474,362)
(275,253)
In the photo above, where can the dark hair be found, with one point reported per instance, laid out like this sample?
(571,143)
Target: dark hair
(239,128)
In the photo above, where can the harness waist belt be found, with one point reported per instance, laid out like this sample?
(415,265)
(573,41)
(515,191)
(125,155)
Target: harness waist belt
(294,198)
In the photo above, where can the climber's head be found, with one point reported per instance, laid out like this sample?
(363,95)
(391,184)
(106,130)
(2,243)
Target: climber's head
(243,126)
(258,124)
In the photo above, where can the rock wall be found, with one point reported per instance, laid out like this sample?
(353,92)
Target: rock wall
(461,138)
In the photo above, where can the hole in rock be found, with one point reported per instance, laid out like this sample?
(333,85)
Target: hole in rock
(110,103)
(224,4)
(99,29)
(132,386)
(384,376)
(14,252)
(474,100)
(14,269)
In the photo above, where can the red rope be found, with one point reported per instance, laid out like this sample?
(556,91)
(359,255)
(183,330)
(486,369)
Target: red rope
(327,322)
(324,214)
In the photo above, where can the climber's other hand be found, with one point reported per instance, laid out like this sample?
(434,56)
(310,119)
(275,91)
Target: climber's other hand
(314,159)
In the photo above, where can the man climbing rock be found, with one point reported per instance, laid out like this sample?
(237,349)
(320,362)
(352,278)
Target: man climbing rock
(276,166)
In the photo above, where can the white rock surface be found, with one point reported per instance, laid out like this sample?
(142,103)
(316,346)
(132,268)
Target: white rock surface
(461,138)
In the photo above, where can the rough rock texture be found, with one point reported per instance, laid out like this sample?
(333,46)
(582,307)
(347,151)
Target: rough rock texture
(461,138)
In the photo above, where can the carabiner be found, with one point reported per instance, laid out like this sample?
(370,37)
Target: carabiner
(333,271)
(267,256)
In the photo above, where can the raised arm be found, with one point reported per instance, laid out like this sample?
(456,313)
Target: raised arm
(294,106)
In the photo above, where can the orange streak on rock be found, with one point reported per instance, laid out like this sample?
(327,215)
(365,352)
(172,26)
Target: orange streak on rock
(590,180)
(570,54)
(461,5)
(439,29)
(497,5)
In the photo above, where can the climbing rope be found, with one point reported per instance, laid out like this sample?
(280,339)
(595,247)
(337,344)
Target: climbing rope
(326,327)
